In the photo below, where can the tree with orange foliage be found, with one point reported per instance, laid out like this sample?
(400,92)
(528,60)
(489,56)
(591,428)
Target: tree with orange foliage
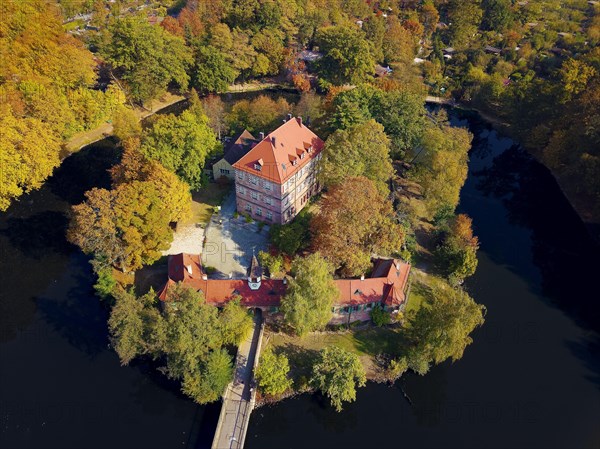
(301,82)
(355,220)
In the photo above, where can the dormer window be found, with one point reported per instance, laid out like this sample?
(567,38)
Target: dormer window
(257,167)
(302,156)
(295,162)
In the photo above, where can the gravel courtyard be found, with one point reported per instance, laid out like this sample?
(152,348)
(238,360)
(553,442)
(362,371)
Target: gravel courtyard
(230,242)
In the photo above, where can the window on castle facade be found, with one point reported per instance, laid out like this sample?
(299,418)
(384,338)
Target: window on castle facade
(258,211)
(269,215)
(254,195)
(248,207)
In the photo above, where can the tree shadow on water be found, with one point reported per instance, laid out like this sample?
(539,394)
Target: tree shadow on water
(84,170)
(78,317)
(39,235)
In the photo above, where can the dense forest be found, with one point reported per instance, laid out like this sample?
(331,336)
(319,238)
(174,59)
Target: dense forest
(392,170)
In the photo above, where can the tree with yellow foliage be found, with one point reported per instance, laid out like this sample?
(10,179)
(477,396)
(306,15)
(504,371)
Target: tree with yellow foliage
(29,152)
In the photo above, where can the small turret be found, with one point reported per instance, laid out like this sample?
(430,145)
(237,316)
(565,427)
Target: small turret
(254,274)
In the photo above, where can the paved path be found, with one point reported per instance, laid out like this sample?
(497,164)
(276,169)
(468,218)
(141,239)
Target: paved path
(238,400)
(230,242)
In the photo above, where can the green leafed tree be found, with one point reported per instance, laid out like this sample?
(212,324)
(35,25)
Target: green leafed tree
(236,322)
(457,254)
(207,383)
(147,58)
(465,18)
(362,150)
(401,112)
(126,124)
(181,144)
(135,325)
(337,374)
(348,56)
(440,329)
(192,330)
(442,166)
(211,73)
(272,373)
(309,299)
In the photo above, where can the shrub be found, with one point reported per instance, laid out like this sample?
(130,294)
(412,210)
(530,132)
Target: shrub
(379,316)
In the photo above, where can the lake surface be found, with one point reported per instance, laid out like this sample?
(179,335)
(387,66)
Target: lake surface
(530,379)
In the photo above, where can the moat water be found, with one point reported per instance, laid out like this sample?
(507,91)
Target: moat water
(530,379)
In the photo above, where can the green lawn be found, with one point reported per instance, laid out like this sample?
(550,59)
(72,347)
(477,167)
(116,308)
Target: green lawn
(366,343)
(205,199)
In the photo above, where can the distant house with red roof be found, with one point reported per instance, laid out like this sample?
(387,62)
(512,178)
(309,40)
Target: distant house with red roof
(387,286)
(276,178)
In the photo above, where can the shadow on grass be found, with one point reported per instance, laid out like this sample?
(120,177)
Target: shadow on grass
(301,362)
(154,276)
(380,340)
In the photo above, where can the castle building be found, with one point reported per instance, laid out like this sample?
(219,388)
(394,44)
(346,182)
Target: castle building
(387,287)
(275,179)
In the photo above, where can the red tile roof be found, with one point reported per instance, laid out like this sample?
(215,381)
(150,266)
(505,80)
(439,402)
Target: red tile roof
(388,284)
(279,148)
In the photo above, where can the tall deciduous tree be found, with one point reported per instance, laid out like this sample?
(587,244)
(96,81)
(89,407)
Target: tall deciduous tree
(347,55)
(192,330)
(465,18)
(134,325)
(401,112)
(214,108)
(399,44)
(442,166)
(310,296)
(458,251)
(181,144)
(236,322)
(337,374)
(355,220)
(363,150)
(260,114)
(145,57)
(29,152)
(126,124)
(212,73)
(134,166)
(129,226)
(441,327)
(272,373)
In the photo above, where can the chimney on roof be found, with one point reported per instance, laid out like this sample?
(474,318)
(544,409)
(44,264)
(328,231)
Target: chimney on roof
(262,135)
(284,120)
(289,117)
(189,268)
(204,277)
(299,118)
(362,277)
